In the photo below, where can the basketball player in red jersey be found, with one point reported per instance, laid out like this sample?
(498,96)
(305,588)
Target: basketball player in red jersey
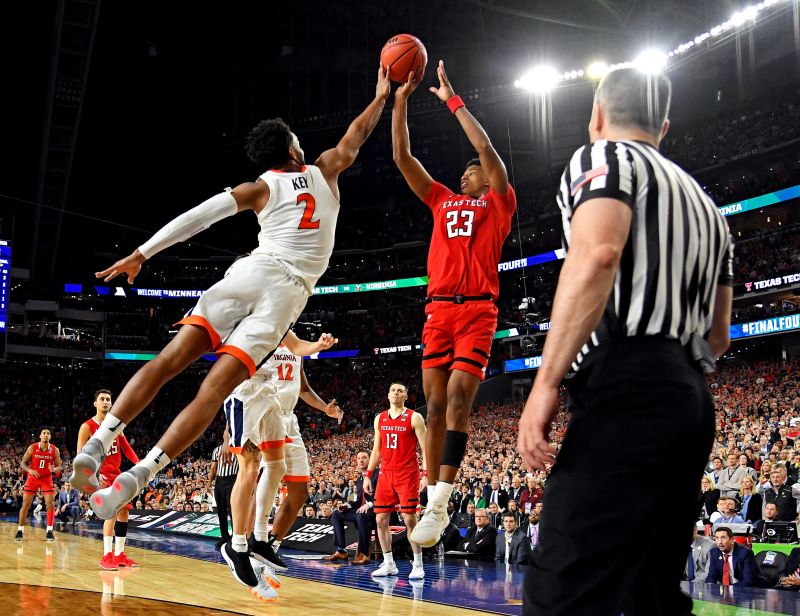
(469,229)
(40,461)
(397,432)
(115,530)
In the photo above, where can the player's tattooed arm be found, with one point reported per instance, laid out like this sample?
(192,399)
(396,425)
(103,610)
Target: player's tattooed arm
(25,464)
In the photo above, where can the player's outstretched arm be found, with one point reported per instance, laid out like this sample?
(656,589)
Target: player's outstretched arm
(306,347)
(491,162)
(334,161)
(247,196)
(415,175)
(310,397)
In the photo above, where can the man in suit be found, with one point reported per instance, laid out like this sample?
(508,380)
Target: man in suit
(516,489)
(359,512)
(493,493)
(790,579)
(512,547)
(731,563)
(68,504)
(495,516)
(699,553)
(481,538)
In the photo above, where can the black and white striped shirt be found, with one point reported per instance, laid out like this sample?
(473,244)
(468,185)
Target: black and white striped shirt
(678,251)
(225,469)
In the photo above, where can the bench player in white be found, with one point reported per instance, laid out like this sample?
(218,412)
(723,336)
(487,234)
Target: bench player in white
(244,316)
(262,426)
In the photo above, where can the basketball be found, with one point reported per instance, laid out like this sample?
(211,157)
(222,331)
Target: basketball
(402,54)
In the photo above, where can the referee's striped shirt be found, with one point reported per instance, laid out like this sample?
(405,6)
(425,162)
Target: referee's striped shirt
(225,469)
(678,251)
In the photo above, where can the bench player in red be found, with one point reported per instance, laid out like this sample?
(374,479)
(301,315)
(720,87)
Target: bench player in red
(397,432)
(469,228)
(40,461)
(115,530)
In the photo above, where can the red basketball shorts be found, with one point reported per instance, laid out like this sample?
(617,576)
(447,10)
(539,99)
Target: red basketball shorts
(459,336)
(397,488)
(106,479)
(32,484)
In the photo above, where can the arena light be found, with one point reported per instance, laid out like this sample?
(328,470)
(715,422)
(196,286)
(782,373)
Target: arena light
(746,14)
(651,61)
(540,79)
(597,70)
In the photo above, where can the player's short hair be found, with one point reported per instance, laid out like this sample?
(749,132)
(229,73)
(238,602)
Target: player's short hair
(473,162)
(403,385)
(631,98)
(43,428)
(101,391)
(267,144)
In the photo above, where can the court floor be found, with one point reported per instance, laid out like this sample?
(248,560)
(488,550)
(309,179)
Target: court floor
(186,575)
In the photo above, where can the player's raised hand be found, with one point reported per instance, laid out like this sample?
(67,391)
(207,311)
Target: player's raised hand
(405,90)
(445,91)
(333,411)
(326,341)
(384,86)
(130,265)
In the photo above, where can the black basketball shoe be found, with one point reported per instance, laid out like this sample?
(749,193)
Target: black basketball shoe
(18,536)
(262,551)
(239,562)
(48,536)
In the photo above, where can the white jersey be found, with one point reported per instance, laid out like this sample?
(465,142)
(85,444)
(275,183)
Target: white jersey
(285,367)
(298,224)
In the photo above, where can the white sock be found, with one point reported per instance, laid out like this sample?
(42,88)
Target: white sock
(431,490)
(418,559)
(155,461)
(441,495)
(388,558)
(271,476)
(110,429)
(239,543)
(119,545)
(49,527)
(108,544)
(22,528)
(276,545)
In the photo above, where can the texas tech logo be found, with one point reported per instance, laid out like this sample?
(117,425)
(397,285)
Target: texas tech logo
(748,286)
(310,533)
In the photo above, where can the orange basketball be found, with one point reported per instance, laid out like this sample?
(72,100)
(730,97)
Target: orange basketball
(403,54)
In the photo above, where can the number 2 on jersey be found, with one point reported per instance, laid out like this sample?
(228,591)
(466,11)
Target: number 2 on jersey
(287,374)
(465,229)
(391,441)
(308,213)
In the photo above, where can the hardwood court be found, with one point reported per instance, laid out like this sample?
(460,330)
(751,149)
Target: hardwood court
(62,577)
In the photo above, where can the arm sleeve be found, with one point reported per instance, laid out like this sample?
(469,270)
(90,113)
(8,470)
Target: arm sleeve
(603,169)
(726,270)
(190,223)
(127,450)
(437,192)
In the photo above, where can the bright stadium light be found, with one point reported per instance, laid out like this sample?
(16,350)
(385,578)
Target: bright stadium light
(651,61)
(541,79)
(597,70)
(746,14)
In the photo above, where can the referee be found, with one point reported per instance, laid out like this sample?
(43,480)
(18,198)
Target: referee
(642,309)
(224,468)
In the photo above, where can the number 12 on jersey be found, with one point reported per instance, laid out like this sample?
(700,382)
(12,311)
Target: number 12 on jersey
(454,229)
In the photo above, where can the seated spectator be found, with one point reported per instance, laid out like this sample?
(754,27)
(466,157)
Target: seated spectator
(726,512)
(494,493)
(512,547)
(751,503)
(68,504)
(516,490)
(513,507)
(790,579)
(481,537)
(730,479)
(731,563)
(532,494)
(495,516)
(309,512)
(710,497)
(770,515)
(324,511)
(697,562)
(451,537)
(532,525)
(477,499)
(460,498)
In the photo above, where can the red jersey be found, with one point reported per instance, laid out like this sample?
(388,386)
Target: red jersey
(398,442)
(113,460)
(43,460)
(468,235)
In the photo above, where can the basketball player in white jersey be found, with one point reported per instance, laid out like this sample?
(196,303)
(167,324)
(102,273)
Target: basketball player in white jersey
(244,316)
(262,426)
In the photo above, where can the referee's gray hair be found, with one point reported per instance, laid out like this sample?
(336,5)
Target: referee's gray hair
(631,98)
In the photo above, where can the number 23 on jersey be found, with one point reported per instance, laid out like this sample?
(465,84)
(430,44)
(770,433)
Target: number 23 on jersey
(459,223)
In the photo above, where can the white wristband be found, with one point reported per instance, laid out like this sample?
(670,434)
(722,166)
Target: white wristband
(190,223)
